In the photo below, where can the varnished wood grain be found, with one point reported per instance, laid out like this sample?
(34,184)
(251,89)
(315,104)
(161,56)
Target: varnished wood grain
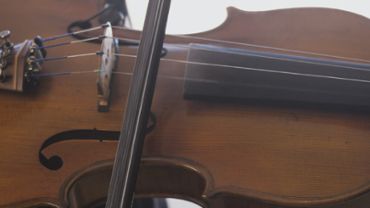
(247,155)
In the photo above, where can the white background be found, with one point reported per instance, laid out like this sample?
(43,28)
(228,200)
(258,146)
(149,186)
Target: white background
(190,16)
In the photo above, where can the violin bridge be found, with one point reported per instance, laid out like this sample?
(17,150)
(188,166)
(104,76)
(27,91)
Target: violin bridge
(107,65)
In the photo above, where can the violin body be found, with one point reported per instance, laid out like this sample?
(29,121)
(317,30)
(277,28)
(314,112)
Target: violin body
(217,154)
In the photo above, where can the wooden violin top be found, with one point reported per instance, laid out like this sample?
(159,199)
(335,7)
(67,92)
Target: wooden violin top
(217,154)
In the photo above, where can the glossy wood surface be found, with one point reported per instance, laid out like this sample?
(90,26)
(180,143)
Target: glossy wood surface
(235,155)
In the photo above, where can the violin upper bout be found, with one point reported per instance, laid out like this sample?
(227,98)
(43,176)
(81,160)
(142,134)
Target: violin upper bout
(320,30)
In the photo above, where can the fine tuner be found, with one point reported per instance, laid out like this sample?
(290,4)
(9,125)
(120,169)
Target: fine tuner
(17,65)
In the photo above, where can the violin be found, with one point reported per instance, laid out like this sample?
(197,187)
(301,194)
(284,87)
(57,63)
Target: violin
(270,109)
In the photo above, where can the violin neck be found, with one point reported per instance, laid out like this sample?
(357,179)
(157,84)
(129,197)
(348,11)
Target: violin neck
(126,165)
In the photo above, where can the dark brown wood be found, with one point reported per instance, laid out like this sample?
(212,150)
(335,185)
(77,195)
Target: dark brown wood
(239,75)
(232,155)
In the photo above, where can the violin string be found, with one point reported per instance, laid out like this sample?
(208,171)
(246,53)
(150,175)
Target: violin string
(211,64)
(73,42)
(217,41)
(59,74)
(179,78)
(279,49)
(277,58)
(129,74)
(223,66)
(206,39)
(255,69)
(227,66)
(55,37)
(293,60)
(65,73)
(200,48)
(57,58)
(262,47)
(205,64)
